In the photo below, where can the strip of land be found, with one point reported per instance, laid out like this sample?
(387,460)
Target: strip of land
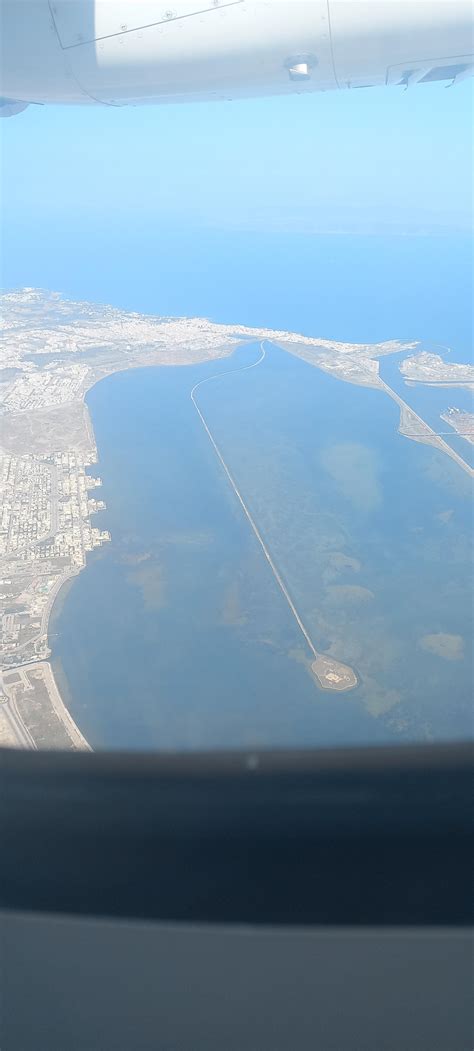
(412,426)
(330,673)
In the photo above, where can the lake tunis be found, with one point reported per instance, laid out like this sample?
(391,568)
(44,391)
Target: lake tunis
(177,634)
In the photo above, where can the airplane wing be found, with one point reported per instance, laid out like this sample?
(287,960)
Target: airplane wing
(125,52)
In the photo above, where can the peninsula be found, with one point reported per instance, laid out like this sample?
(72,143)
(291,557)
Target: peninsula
(433,369)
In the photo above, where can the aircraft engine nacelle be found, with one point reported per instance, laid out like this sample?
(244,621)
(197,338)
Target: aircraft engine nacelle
(116,52)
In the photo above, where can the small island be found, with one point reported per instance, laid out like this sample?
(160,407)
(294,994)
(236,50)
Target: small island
(332,675)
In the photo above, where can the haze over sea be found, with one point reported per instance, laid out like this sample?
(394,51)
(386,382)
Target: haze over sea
(176,634)
(342,286)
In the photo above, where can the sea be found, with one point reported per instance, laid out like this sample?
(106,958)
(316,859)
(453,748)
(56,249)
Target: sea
(177,634)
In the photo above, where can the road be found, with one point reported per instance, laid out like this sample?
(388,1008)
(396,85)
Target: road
(21,732)
(427,432)
(241,500)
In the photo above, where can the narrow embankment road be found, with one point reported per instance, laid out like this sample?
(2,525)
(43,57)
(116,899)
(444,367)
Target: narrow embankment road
(427,435)
(241,500)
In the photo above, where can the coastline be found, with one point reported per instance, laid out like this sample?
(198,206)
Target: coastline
(42,721)
(62,712)
(37,677)
(23,684)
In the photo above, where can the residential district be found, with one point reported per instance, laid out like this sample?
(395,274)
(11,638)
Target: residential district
(52,351)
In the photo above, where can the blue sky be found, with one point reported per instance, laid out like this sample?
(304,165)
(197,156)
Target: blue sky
(237,211)
(380,159)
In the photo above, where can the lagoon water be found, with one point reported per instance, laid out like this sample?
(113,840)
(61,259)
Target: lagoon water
(177,635)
